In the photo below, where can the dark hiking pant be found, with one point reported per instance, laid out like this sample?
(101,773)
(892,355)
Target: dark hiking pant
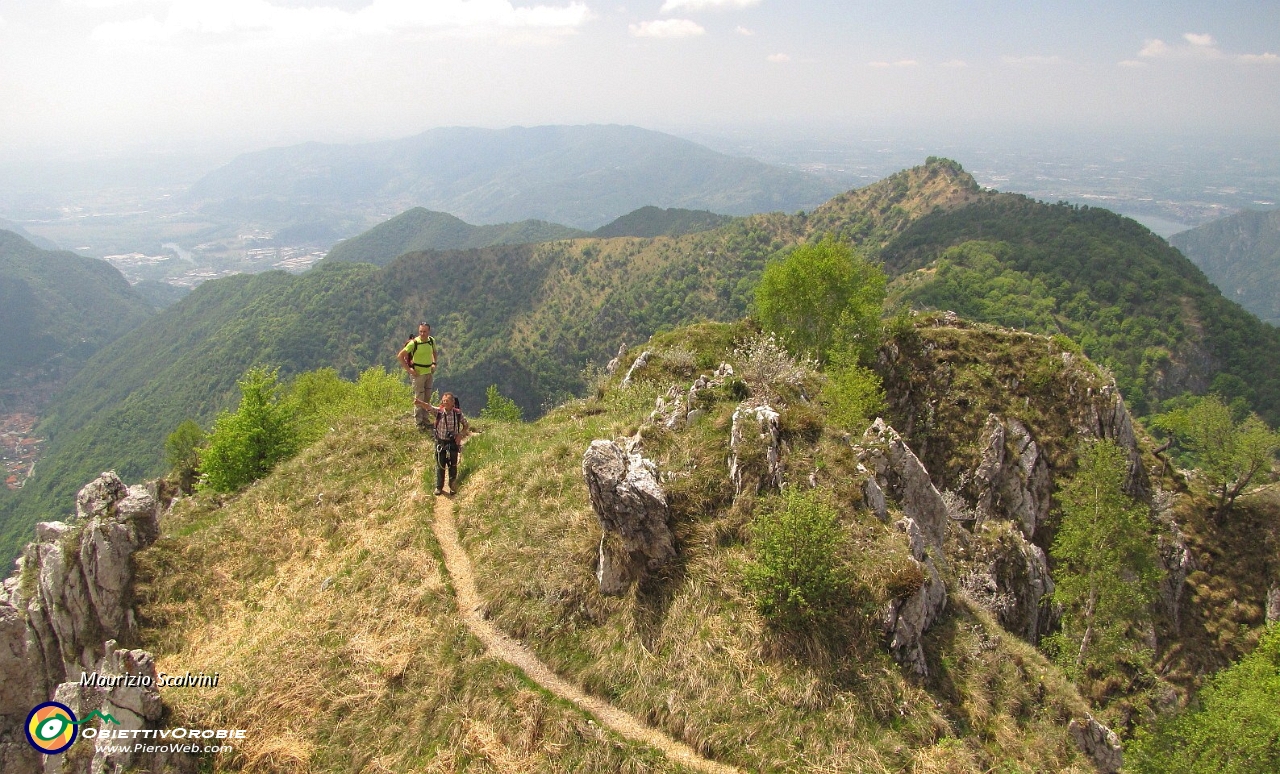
(447,456)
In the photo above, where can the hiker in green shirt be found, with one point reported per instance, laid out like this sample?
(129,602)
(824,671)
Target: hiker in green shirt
(419,358)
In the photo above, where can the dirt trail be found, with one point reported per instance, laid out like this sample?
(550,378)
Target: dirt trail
(470,606)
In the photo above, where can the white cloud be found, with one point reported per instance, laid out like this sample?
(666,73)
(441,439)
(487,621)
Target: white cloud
(743,31)
(1198,46)
(667,28)
(262,18)
(1034,59)
(671,6)
(778,58)
(1267,58)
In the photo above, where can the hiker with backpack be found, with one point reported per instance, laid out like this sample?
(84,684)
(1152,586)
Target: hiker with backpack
(450,428)
(419,358)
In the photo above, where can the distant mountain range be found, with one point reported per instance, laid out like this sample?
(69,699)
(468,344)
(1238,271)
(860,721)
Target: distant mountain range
(582,176)
(1241,255)
(422,229)
(38,241)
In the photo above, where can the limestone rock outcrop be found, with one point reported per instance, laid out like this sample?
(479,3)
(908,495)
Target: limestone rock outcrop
(1013,480)
(755,446)
(905,620)
(64,613)
(639,363)
(1009,576)
(1106,417)
(901,475)
(1273,605)
(1098,742)
(632,510)
(612,368)
(1178,562)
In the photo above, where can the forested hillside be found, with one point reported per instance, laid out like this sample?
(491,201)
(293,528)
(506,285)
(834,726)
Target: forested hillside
(529,318)
(655,222)
(57,309)
(422,229)
(1241,255)
(1135,304)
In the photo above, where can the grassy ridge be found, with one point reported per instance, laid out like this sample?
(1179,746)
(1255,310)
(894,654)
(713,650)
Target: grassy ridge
(320,598)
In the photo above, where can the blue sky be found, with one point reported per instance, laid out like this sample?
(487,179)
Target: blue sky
(106,74)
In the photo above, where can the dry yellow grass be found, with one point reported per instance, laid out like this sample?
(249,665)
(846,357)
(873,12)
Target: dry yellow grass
(319,598)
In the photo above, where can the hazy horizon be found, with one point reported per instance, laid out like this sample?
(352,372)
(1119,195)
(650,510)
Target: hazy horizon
(95,77)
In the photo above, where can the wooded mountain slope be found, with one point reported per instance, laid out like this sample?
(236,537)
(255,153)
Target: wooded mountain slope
(57,309)
(528,318)
(1241,255)
(422,229)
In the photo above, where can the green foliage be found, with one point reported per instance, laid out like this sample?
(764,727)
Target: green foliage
(853,396)
(500,408)
(654,222)
(1229,453)
(822,297)
(182,453)
(1133,303)
(1235,729)
(1107,570)
(421,229)
(797,577)
(1241,254)
(245,445)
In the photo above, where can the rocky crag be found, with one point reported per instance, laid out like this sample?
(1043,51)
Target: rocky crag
(68,612)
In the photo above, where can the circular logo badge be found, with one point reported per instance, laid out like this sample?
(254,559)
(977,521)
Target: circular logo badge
(51,727)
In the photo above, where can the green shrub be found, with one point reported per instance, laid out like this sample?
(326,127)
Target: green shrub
(182,452)
(797,578)
(853,396)
(245,445)
(1235,730)
(499,407)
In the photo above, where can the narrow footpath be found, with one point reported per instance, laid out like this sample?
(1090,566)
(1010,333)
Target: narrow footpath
(470,606)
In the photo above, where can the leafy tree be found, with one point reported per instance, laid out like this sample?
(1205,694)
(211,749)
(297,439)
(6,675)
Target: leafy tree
(796,576)
(182,452)
(245,445)
(1230,453)
(1107,567)
(853,394)
(500,408)
(1235,730)
(822,297)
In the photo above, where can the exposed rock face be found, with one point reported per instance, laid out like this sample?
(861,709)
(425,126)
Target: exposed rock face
(906,620)
(674,410)
(1009,575)
(1013,480)
(133,707)
(1098,742)
(1273,605)
(617,360)
(632,509)
(77,605)
(755,441)
(640,362)
(900,473)
(1178,562)
(1108,418)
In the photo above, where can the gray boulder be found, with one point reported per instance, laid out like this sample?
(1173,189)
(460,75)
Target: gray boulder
(755,447)
(1013,480)
(900,474)
(1273,605)
(1009,576)
(905,620)
(633,513)
(1098,742)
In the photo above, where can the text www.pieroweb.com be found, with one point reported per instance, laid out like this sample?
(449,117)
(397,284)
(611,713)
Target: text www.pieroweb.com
(109,748)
